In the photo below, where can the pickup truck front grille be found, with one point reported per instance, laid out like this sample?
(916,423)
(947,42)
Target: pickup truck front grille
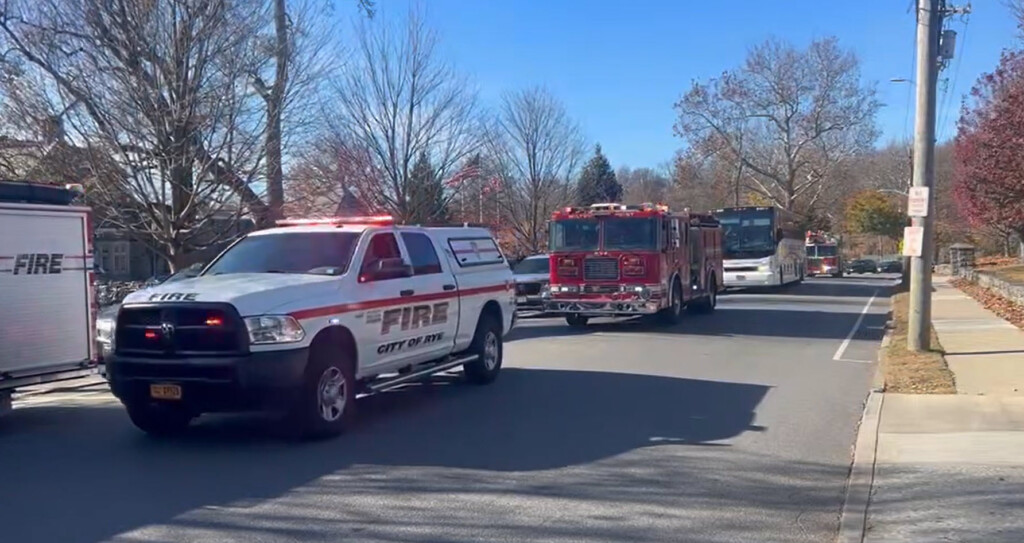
(601,269)
(173,331)
(528,289)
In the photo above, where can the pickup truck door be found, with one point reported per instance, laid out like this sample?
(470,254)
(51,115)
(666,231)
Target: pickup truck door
(433,316)
(382,338)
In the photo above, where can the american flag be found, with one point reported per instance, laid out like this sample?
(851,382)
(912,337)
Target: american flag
(461,176)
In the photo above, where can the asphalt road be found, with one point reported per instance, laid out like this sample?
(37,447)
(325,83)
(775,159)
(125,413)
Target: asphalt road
(736,426)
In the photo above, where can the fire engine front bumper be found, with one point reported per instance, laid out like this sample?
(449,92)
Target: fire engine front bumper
(595,308)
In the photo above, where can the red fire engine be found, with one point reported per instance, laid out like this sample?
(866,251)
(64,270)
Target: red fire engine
(621,260)
(823,255)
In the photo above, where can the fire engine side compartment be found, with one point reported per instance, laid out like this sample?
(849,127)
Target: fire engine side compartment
(45,294)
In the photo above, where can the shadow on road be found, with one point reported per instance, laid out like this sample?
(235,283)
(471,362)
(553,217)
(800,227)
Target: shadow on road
(84,474)
(726,322)
(856,286)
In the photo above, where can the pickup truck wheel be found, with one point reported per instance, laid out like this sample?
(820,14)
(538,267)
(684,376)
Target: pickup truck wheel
(673,314)
(159,420)
(576,320)
(488,347)
(325,404)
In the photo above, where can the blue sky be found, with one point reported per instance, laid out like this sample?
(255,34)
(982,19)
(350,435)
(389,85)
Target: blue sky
(618,66)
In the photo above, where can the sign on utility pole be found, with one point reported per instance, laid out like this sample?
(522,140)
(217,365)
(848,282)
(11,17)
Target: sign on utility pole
(913,241)
(917,202)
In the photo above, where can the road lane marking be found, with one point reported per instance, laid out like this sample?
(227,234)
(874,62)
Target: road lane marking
(853,331)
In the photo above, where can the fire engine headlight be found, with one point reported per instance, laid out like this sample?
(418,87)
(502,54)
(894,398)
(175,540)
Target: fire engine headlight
(564,289)
(641,291)
(274,329)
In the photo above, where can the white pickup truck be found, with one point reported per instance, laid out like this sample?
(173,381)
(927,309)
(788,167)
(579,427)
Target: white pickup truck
(302,318)
(47,307)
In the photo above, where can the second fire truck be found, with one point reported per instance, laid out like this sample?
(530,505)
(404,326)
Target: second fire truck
(823,255)
(612,260)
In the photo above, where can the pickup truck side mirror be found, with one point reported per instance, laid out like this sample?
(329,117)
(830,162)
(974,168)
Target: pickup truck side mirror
(386,268)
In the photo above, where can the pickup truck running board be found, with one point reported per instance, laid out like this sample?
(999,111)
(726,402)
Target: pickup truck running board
(447,364)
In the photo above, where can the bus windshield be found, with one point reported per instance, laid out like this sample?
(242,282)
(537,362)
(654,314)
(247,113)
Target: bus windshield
(618,233)
(747,233)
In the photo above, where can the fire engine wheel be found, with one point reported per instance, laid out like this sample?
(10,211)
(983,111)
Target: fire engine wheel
(709,302)
(159,420)
(325,404)
(673,314)
(487,345)
(837,275)
(576,320)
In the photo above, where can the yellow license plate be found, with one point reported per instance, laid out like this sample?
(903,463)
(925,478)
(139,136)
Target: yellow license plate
(165,392)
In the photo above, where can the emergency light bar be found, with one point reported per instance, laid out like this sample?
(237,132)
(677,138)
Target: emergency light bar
(383,220)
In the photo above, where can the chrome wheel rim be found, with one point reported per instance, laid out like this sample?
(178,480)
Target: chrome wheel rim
(490,351)
(332,392)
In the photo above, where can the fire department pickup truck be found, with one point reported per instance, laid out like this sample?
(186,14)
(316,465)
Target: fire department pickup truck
(302,318)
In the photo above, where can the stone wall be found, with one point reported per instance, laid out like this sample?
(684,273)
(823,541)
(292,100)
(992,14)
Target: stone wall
(1014,293)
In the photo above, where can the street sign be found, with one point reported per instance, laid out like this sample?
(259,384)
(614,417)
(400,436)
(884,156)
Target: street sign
(913,240)
(917,202)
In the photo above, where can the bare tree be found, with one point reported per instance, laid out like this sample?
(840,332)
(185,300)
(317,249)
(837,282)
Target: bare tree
(888,169)
(787,117)
(155,92)
(535,149)
(398,100)
(643,185)
(291,63)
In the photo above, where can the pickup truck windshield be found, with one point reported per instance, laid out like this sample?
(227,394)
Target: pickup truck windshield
(325,253)
(531,266)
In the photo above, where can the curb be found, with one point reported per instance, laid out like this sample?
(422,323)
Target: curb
(72,385)
(853,522)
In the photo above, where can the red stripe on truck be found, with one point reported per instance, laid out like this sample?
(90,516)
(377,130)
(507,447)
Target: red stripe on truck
(388,302)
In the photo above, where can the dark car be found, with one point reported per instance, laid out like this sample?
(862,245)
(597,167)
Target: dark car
(862,265)
(890,266)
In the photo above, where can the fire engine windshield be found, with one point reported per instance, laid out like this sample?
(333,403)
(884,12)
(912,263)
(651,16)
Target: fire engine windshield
(821,250)
(326,253)
(630,234)
(574,235)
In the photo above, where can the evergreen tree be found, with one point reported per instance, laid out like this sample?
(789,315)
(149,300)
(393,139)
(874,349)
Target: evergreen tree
(597,182)
(425,194)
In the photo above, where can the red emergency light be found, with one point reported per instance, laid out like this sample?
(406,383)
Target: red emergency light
(376,220)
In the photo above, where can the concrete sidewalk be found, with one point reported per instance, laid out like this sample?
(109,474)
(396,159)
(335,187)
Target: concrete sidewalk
(951,467)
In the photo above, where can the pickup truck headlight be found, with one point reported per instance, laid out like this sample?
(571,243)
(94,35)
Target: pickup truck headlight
(764,268)
(274,329)
(105,330)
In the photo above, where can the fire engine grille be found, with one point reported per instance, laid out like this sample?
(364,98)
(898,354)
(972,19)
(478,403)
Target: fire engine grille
(600,269)
(171,331)
(528,289)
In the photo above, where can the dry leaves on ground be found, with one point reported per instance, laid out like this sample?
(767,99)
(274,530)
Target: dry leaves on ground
(993,302)
(910,372)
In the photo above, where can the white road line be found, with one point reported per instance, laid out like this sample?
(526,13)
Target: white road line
(853,331)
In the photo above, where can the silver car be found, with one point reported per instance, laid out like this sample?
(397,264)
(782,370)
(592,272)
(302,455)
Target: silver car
(532,276)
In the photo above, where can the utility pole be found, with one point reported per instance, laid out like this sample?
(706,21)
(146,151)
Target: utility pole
(930,14)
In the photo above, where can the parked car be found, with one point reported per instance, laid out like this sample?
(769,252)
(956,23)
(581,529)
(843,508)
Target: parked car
(890,266)
(532,275)
(862,265)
